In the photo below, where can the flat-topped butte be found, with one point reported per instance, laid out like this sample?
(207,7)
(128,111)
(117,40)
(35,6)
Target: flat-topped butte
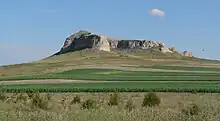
(86,40)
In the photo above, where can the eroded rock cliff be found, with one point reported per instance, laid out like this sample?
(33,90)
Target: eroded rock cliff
(86,40)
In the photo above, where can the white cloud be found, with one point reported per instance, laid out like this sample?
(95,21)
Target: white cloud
(157,12)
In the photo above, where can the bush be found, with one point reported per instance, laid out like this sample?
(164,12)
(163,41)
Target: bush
(129,105)
(114,99)
(89,104)
(76,99)
(3,75)
(39,102)
(150,100)
(30,94)
(21,97)
(193,109)
(48,96)
(2,94)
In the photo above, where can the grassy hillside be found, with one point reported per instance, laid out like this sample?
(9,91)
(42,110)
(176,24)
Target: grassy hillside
(82,59)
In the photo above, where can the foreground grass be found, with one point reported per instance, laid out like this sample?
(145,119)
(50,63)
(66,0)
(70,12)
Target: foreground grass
(170,108)
(205,87)
(121,75)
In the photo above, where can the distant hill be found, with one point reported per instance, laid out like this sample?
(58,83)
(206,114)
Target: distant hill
(85,49)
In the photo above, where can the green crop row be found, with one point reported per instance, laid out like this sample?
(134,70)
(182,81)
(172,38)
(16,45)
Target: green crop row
(206,87)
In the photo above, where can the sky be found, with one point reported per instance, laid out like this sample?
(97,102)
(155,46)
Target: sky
(33,29)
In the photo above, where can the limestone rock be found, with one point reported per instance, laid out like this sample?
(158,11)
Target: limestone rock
(102,44)
(188,54)
(77,35)
(113,44)
(173,49)
(86,40)
(83,40)
(136,44)
(165,50)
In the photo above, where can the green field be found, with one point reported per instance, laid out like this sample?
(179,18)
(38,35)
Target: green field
(122,81)
(185,68)
(205,87)
(120,75)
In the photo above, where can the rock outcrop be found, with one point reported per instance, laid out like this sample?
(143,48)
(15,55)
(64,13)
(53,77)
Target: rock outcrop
(83,40)
(87,40)
(187,54)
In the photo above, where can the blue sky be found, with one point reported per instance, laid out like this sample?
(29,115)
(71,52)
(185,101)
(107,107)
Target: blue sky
(31,30)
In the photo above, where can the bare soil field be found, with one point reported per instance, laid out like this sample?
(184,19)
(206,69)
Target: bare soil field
(133,68)
(61,81)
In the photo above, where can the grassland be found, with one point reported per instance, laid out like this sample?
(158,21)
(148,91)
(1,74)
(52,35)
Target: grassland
(60,108)
(81,59)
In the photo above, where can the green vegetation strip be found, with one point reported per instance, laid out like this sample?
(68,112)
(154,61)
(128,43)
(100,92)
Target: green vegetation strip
(185,68)
(207,87)
(119,75)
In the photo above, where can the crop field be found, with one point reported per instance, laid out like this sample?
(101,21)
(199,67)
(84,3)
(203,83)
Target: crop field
(109,107)
(193,87)
(121,75)
(109,80)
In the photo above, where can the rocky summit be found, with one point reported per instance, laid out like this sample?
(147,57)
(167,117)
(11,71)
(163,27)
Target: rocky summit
(87,40)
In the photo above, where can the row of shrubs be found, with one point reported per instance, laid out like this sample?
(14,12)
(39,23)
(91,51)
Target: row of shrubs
(150,100)
(168,89)
(41,102)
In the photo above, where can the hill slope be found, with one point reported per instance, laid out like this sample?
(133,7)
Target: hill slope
(84,59)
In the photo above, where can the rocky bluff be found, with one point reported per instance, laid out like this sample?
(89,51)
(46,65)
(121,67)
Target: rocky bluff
(86,40)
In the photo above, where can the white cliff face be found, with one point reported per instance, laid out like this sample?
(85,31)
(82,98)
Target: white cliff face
(166,50)
(104,44)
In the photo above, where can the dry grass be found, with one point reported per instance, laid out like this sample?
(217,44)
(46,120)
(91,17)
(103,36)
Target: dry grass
(81,59)
(170,108)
